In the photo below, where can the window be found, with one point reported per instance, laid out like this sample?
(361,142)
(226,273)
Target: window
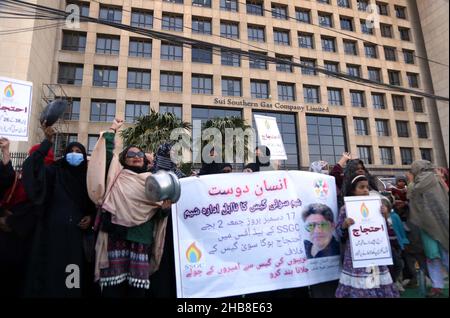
(324,1)
(103,110)
(371,51)
(404,34)
(350,47)
(362,4)
(305,40)
(326,138)
(346,23)
(204,114)
(407,156)
(257,61)
(308,67)
(382,8)
(256,33)
(62,141)
(311,94)
(382,127)
(286,91)
(374,74)
(201,55)
(255,7)
(201,3)
(138,79)
(413,80)
(400,12)
(366,28)
(328,44)
(354,70)
(142,19)
(378,101)
(389,53)
(230,58)
(331,66)
(107,44)
(229,5)
(394,77)
(303,15)
(231,86)
(343,3)
(171,82)
(284,67)
(82,6)
(73,110)
(386,155)
(172,22)
(357,98)
(174,1)
(170,108)
(325,20)
(422,130)
(229,30)
(74,41)
(417,103)
(281,37)
(111,14)
(201,25)
(386,30)
(425,154)
(140,48)
(398,102)
(259,89)
(105,76)
(202,84)
(171,52)
(335,96)
(279,11)
(92,141)
(134,110)
(402,128)
(408,56)
(365,154)
(70,74)
(361,128)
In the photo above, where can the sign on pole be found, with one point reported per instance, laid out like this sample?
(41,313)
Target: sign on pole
(15,108)
(270,136)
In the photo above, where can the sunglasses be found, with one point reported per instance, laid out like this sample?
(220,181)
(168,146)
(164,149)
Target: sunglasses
(132,154)
(323,226)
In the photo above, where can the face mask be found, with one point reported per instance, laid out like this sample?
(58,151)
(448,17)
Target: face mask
(74,158)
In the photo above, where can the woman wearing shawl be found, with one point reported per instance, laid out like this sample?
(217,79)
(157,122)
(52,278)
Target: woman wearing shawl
(131,228)
(428,204)
(60,189)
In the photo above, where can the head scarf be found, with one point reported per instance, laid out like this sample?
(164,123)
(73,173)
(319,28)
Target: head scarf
(123,158)
(318,166)
(164,162)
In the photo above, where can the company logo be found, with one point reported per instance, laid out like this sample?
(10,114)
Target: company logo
(267,124)
(193,253)
(321,188)
(364,210)
(9,91)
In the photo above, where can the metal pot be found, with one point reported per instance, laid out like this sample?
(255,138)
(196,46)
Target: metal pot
(163,185)
(53,111)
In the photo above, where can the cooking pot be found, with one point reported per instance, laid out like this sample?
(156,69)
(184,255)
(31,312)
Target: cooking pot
(163,185)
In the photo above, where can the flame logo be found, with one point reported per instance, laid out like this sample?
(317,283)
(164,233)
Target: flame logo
(9,91)
(193,254)
(321,188)
(364,210)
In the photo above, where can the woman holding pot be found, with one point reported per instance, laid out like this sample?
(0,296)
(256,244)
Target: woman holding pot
(131,227)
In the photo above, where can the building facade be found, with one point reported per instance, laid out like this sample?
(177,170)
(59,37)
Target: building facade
(110,73)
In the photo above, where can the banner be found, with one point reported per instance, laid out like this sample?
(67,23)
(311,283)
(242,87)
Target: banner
(241,233)
(15,108)
(369,238)
(270,136)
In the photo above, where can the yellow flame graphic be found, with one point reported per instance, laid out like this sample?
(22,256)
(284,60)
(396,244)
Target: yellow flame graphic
(364,210)
(193,254)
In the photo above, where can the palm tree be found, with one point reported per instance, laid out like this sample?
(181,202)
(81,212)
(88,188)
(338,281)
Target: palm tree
(152,130)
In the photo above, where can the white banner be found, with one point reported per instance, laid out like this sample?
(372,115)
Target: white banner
(241,233)
(270,136)
(15,108)
(369,238)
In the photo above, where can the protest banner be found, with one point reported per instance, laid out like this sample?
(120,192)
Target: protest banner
(241,233)
(369,239)
(270,136)
(15,108)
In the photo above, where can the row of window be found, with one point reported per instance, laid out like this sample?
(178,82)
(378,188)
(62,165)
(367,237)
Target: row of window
(382,128)
(107,76)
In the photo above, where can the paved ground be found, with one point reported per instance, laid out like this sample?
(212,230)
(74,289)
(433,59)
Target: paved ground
(415,292)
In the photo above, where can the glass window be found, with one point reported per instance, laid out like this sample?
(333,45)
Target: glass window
(229,30)
(386,30)
(413,80)
(361,127)
(171,82)
(382,127)
(172,22)
(82,6)
(343,3)
(286,91)
(303,15)
(202,84)
(140,48)
(279,11)
(92,141)
(350,47)
(256,33)
(374,74)
(103,110)
(284,67)
(259,89)
(202,3)
(371,51)
(111,14)
(400,12)
(335,96)
(398,102)
(378,101)
(308,66)
(201,25)
(362,5)
(422,130)
(134,110)
(389,53)
(386,155)
(311,94)
(172,52)
(407,156)
(231,86)
(306,40)
(408,56)
(73,110)
(281,37)
(74,41)
(142,19)
(366,28)
(138,79)
(171,108)
(346,24)
(357,98)
(255,7)
(394,77)
(354,70)
(257,61)
(201,55)
(62,140)
(331,66)
(107,44)
(417,104)
(382,8)
(230,58)
(325,20)
(402,128)
(404,34)
(328,44)
(229,5)
(365,154)
(425,154)
(105,76)
(70,74)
